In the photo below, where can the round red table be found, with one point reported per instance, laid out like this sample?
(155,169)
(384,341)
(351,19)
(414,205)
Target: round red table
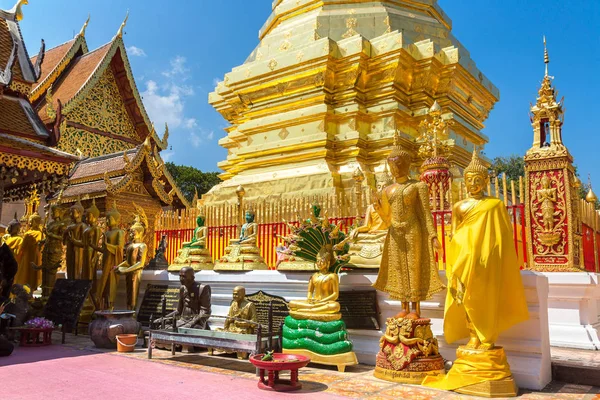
(281,362)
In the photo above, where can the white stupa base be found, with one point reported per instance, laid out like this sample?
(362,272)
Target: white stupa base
(574,309)
(527,345)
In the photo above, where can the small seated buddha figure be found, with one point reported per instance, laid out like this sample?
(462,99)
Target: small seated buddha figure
(323,291)
(367,241)
(242,254)
(194,253)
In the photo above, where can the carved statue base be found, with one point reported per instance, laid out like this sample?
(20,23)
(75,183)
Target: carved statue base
(366,251)
(323,342)
(478,372)
(409,352)
(293,263)
(197,259)
(241,258)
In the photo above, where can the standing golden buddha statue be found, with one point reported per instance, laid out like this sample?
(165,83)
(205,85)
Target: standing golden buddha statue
(14,240)
(134,263)
(408,271)
(485,291)
(74,233)
(53,249)
(30,253)
(113,243)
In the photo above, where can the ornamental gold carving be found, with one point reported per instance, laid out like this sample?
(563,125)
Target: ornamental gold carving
(90,144)
(33,164)
(548,212)
(103,109)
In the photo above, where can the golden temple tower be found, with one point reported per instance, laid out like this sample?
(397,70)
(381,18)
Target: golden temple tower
(554,238)
(328,85)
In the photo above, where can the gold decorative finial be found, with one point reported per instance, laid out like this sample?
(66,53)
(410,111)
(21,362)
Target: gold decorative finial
(476,166)
(434,133)
(591,197)
(120,31)
(17,9)
(546,57)
(82,31)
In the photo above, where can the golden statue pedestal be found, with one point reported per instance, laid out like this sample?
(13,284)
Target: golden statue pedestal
(367,250)
(196,258)
(241,258)
(341,361)
(478,372)
(296,264)
(409,352)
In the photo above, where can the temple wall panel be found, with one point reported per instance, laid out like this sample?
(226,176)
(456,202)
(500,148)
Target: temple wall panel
(90,144)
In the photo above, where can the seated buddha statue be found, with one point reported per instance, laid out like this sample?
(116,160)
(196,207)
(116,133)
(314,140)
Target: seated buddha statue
(367,241)
(242,254)
(323,291)
(194,253)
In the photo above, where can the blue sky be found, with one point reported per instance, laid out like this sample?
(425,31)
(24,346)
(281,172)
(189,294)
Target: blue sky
(179,49)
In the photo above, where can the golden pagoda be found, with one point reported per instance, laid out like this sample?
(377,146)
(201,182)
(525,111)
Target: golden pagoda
(554,237)
(329,84)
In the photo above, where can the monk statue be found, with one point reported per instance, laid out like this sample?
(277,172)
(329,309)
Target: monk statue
(30,253)
(241,311)
(408,271)
(74,232)
(323,291)
(367,241)
(194,306)
(52,251)
(485,291)
(242,254)
(135,261)
(113,242)
(194,253)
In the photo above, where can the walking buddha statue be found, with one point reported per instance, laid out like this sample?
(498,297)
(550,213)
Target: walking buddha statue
(485,291)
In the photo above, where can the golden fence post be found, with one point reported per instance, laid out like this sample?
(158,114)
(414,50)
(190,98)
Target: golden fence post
(505,189)
(358,177)
(240,192)
(513,192)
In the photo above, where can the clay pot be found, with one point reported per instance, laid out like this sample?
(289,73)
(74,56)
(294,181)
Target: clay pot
(108,324)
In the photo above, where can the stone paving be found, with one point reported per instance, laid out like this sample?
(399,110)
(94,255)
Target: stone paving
(357,382)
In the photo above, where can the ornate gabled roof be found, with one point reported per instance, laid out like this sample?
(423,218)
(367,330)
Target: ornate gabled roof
(55,62)
(116,172)
(12,45)
(18,118)
(86,70)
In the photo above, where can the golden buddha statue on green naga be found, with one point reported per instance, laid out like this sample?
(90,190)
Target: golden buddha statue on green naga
(485,291)
(243,254)
(194,253)
(315,327)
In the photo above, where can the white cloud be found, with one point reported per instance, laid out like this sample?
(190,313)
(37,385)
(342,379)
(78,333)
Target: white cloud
(165,103)
(178,68)
(167,155)
(136,51)
(190,123)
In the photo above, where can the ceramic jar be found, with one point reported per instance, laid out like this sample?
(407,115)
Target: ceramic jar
(108,324)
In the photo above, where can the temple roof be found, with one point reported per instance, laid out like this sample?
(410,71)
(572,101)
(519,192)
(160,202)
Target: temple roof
(55,61)
(18,117)
(114,173)
(13,52)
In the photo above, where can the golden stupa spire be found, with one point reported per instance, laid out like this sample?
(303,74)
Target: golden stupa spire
(546,58)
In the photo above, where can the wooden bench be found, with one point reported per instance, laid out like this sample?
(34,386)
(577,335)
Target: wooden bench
(270,311)
(237,342)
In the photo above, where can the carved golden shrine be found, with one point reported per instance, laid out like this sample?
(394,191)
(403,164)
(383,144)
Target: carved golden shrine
(553,215)
(330,83)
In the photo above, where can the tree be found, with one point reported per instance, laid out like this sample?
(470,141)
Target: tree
(190,179)
(513,166)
